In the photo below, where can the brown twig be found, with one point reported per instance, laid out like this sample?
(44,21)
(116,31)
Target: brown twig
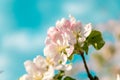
(87,70)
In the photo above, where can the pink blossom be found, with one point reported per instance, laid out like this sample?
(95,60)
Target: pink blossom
(63,37)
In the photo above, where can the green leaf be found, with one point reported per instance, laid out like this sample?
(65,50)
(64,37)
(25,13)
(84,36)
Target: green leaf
(59,75)
(95,39)
(85,47)
(71,57)
(68,78)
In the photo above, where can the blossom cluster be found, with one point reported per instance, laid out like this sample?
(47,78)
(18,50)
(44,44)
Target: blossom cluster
(60,44)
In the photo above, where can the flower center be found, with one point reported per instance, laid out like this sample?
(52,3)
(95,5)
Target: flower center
(37,77)
(61,49)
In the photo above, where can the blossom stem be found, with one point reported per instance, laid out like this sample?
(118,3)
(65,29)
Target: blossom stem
(87,70)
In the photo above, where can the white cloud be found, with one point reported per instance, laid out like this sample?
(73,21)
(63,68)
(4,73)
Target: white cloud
(5,76)
(22,42)
(4,61)
(76,8)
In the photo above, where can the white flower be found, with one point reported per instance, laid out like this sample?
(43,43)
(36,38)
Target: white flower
(59,46)
(39,69)
(87,30)
(56,55)
(26,77)
(57,49)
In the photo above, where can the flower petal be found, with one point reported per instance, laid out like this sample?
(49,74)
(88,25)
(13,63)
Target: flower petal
(87,30)
(26,77)
(50,50)
(30,67)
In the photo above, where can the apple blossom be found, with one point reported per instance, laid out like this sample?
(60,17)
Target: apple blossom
(57,49)
(67,38)
(62,38)
(38,69)
(55,54)
(73,30)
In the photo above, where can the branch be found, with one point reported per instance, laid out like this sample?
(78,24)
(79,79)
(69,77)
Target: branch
(87,70)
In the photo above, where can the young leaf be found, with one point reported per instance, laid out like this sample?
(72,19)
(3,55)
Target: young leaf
(68,78)
(85,47)
(59,75)
(71,57)
(95,39)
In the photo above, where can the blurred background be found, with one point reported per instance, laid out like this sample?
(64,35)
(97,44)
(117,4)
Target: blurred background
(24,24)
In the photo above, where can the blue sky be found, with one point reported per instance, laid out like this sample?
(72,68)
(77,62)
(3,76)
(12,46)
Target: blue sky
(24,24)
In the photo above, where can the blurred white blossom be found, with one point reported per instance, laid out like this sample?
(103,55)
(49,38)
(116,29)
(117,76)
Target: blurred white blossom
(38,69)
